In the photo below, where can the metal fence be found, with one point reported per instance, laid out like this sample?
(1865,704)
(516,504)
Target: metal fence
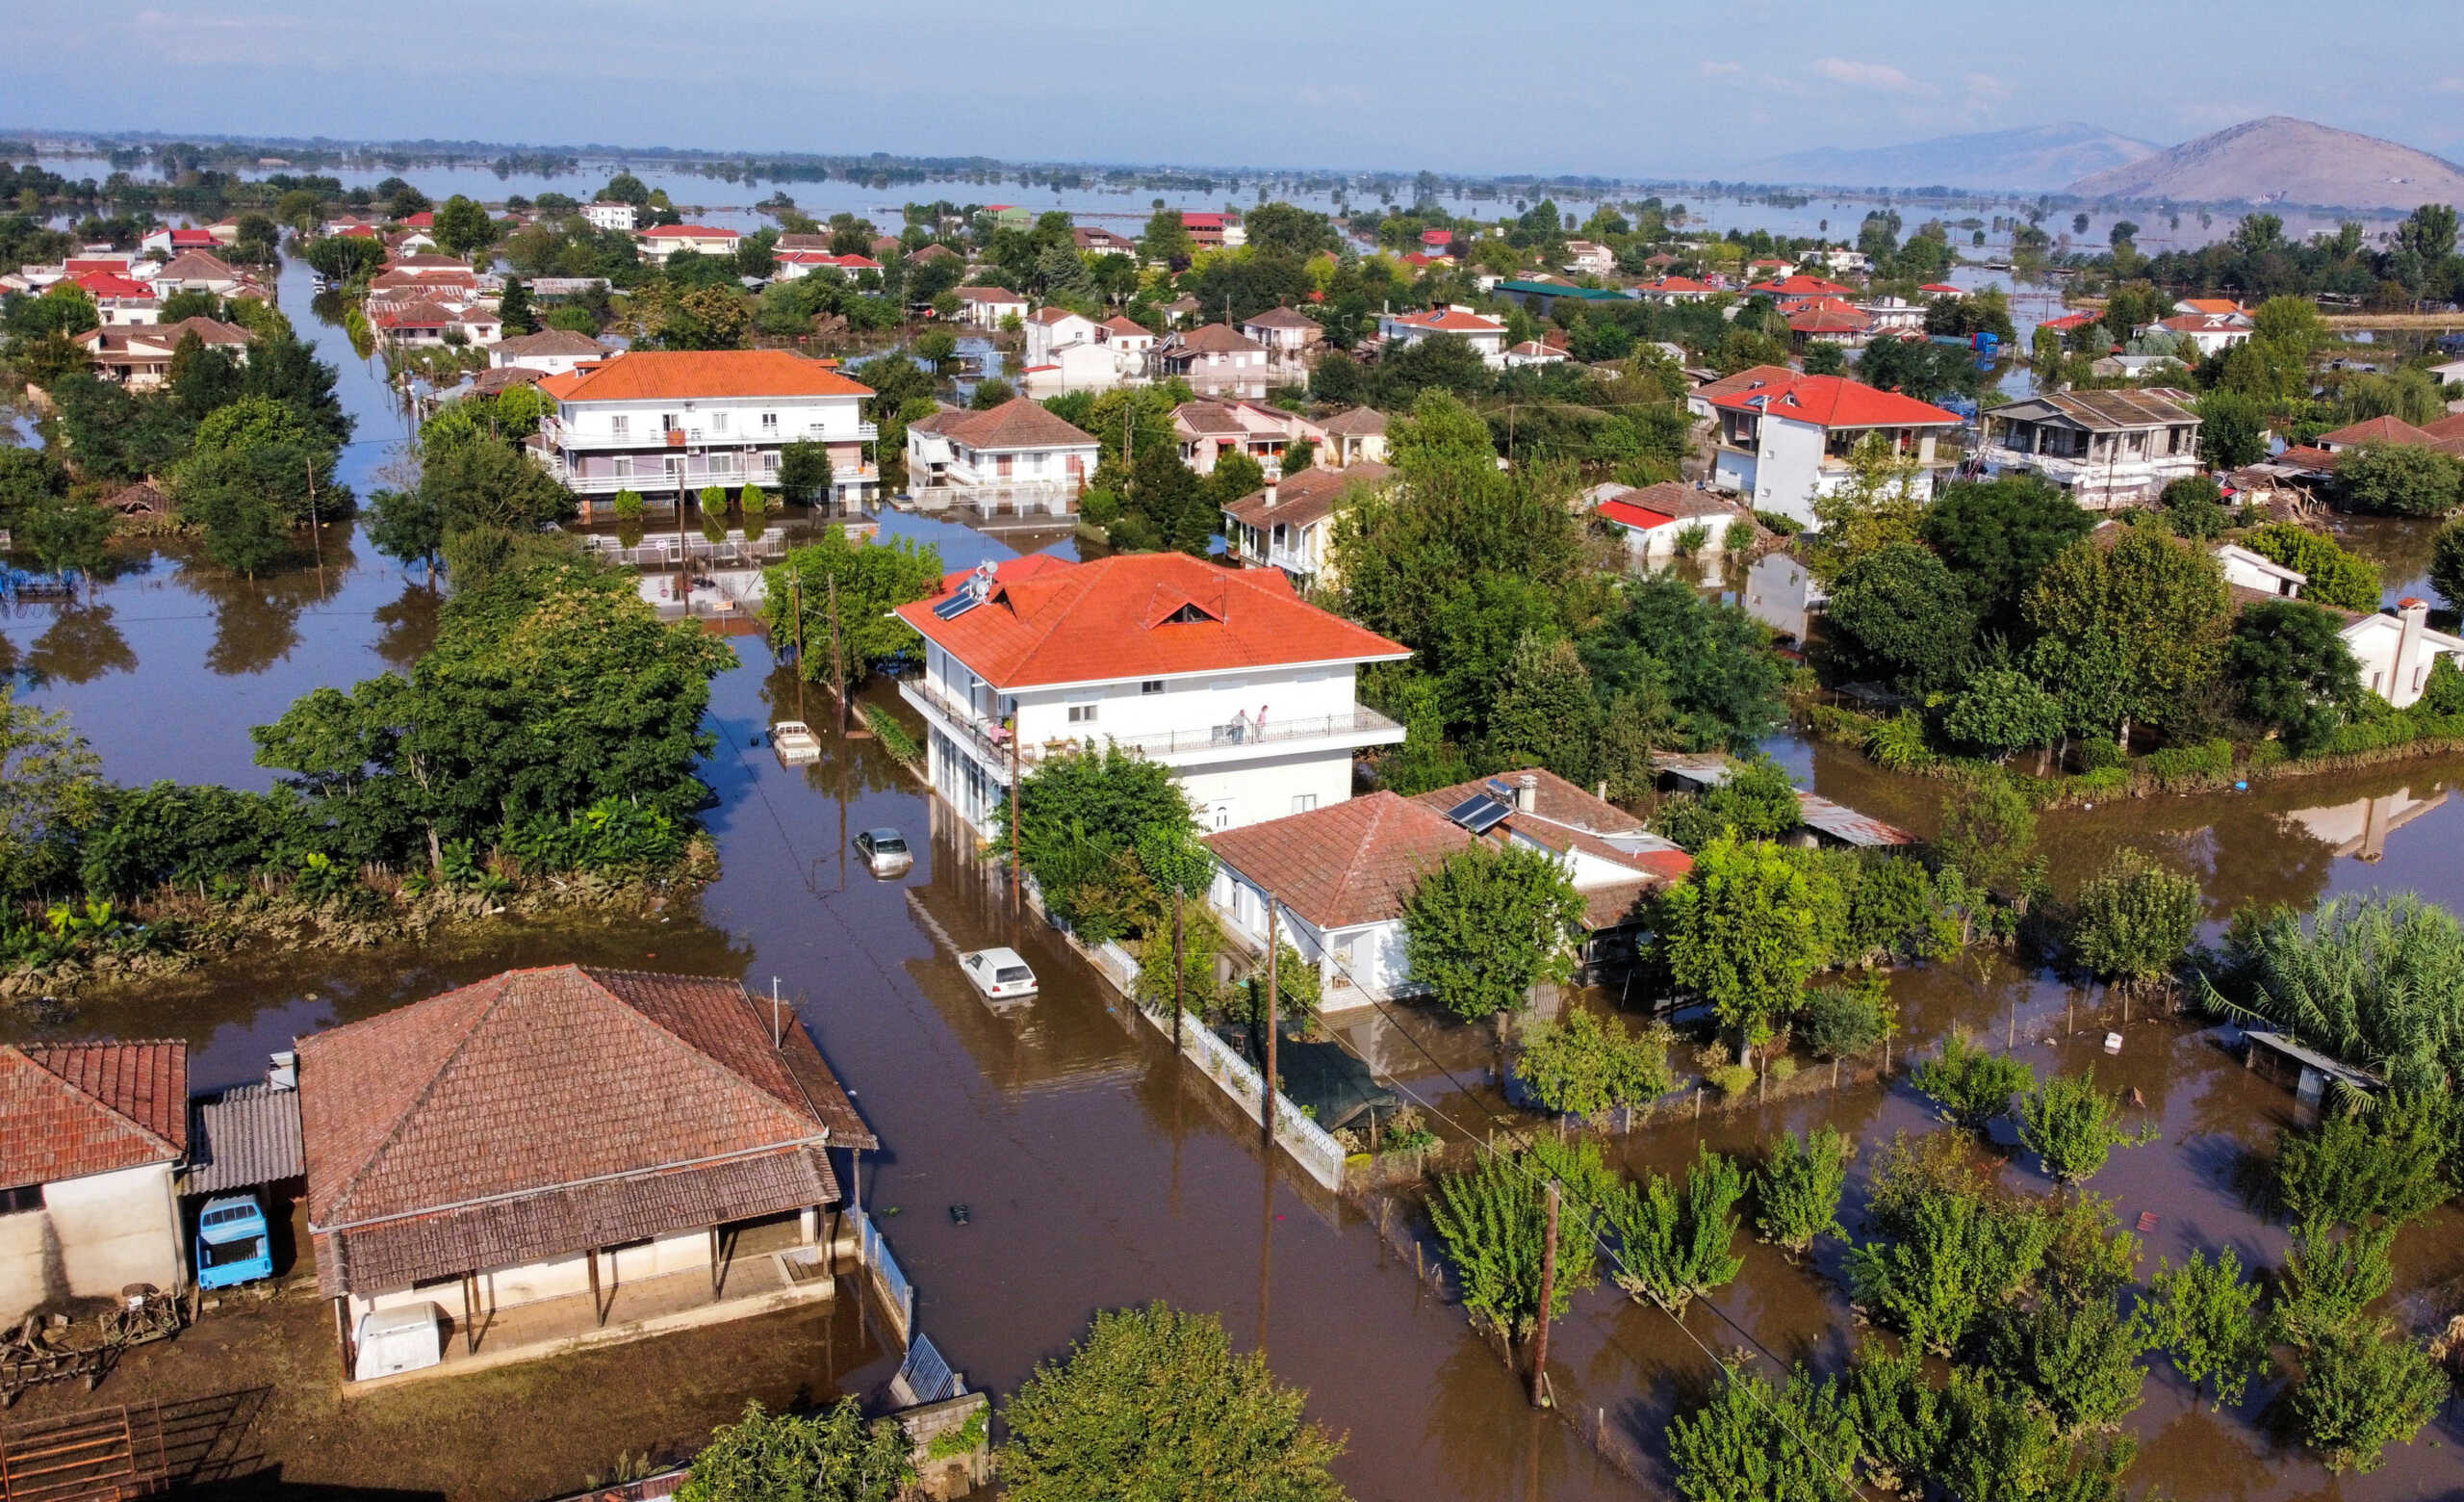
(898,1295)
(1308,1143)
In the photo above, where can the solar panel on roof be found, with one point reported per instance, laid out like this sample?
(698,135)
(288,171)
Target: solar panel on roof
(958,604)
(1479,814)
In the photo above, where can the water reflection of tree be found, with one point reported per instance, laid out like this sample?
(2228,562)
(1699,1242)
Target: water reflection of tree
(407,627)
(2204,1454)
(79,646)
(1486,1432)
(256,622)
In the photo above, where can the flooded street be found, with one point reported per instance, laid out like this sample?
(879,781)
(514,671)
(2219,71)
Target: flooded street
(1098,1169)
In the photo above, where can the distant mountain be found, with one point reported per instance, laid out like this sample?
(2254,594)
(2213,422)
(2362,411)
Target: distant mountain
(2034,159)
(2284,160)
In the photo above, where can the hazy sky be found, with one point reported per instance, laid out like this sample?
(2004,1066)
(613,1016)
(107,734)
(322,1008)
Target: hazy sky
(1579,86)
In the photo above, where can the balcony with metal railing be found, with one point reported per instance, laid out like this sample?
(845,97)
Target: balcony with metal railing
(988,741)
(648,434)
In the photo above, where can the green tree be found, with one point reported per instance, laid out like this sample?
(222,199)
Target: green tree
(2133,920)
(2127,631)
(1874,506)
(347,258)
(935,346)
(2332,575)
(2447,563)
(1971,1085)
(1677,1246)
(1797,1189)
(1839,1022)
(2205,1316)
(2363,1388)
(2195,505)
(516,310)
(1167,238)
(1753,1442)
(1153,1404)
(2400,479)
(2073,1127)
(2078,1362)
(1493,1220)
(1704,669)
(2233,430)
(1584,1065)
(1898,614)
(832,1456)
(1998,535)
(51,788)
(1949,1257)
(1755,801)
(1492,922)
(462,226)
(2361,979)
(2293,671)
(1742,933)
(2001,711)
(1545,714)
(64,533)
(805,471)
(2357,1167)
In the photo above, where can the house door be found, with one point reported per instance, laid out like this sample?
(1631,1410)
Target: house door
(1001,466)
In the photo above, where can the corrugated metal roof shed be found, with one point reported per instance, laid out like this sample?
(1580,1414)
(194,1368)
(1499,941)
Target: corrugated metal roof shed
(1846,824)
(247,1136)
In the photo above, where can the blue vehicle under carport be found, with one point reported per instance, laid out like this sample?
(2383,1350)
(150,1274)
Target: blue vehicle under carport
(233,1245)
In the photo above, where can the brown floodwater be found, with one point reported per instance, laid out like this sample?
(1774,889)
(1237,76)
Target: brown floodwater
(1098,1172)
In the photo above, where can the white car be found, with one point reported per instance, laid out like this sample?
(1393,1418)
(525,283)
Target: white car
(999,973)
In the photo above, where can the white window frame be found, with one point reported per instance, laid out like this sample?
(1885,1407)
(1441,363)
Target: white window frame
(621,426)
(1150,686)
(718,421)
(769,423)
(1305,803)
(1084,713)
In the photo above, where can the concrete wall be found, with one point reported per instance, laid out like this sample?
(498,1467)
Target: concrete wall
(93,1237)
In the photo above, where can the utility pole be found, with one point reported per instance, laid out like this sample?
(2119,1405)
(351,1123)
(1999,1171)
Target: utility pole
(683,554)
(1015,900)
(1272,1090)
(316,534)
(1540,1397)
(837,657)
(1180,971)
(796,607)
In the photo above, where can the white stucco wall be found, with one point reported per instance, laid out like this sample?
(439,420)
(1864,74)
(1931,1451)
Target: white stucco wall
(93,1237)
(503,1287)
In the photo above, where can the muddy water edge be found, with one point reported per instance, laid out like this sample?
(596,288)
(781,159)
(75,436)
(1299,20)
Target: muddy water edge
(1095,1170)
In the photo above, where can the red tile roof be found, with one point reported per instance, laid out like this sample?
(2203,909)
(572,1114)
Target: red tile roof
(2070,320)
(996,294)
(1837,401)
(1007,570)
(686,375)
(1019,423)
(542,1111)
(1349,864)
(2448,427)
(205,236)
(110,284)
(1802,286)
(1686,284)
(67,1110)
(691,232)
(1113,618)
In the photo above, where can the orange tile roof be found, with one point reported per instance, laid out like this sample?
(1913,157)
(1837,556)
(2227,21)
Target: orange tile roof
(1837,401)
(2378,430)
(687,375)
(691,232)
(1448,321)
(1110,619)
(1800,286)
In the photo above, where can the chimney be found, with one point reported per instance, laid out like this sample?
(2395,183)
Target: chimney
(2413,611)
(1526,793)
(1269,495)
(282,1071)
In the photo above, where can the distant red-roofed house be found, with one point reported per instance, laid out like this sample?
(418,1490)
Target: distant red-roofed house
(1802,287)
(1017,445)
(1092,241)
(985,307)
(793,265)
(424,219)
(139,355)
(1341,876)
(1422,261)
(1670,291)
(1830,320)
(1211,350)
(1941,290)
(2206,333)
(1211,231)
(119,298)
(1485,335)
(91,1135)
(1783,442)
(1437,239)
(1225,676)
(2377,429)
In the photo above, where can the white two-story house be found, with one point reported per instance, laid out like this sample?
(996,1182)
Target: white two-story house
(1224,676)
(660,422)
(1018,445)
(1485,335)
(1782,441)
(2107,448)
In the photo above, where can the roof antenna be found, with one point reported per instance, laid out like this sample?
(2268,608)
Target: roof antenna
(778,1030)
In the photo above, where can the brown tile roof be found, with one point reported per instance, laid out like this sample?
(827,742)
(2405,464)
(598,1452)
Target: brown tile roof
(590,1088)
(1213,339)
(1113,618)
(994,294)
(1359,422)
(1306,496)
(1554,799)
(1674,500)
(1019,423)
(1352,863)
(1122,323)
(71,1109)
(197,266)
(549,342)
(1281,318)
(2445,427)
